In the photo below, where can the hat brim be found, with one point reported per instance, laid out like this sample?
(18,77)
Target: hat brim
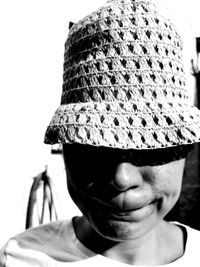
(135,125)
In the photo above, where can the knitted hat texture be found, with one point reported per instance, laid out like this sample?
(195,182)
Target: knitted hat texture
(124,83)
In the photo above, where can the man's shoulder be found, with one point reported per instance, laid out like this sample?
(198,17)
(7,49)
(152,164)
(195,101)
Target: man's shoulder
(190,229)
(43,234)
(40,237)
(43,242)
(193,234)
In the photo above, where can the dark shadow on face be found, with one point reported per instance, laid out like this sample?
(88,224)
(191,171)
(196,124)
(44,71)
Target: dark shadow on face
(111,210)
(85,158)
(97,165)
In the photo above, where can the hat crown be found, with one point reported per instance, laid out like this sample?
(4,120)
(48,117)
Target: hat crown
(124,83)
(125,51)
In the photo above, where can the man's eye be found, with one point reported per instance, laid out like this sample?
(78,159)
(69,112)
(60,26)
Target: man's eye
(98,158)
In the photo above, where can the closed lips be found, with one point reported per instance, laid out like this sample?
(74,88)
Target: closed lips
(121,206)
(134,215)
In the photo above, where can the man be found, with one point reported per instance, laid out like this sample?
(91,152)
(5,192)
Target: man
(126,128)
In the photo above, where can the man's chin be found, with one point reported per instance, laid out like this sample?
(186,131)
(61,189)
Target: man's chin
(121,230)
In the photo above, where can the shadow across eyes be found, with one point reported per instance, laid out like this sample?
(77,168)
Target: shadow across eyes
(87,154)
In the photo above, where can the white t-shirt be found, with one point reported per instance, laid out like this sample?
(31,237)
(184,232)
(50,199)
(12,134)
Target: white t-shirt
(56,244)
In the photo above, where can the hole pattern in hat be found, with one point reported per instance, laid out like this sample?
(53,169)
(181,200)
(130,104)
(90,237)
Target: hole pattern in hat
(162,129)
(123,82)
(123,54)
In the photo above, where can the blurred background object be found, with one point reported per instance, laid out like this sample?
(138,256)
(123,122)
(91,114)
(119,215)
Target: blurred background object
(42,207)
(188,207)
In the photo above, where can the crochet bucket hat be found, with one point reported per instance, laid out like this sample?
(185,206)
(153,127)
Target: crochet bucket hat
(124,83)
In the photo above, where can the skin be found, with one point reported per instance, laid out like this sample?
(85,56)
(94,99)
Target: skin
(123,207)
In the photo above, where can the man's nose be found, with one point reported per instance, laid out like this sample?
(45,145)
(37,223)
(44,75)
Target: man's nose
(127,176)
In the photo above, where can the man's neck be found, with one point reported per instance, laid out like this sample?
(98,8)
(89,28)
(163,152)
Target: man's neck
(162,245)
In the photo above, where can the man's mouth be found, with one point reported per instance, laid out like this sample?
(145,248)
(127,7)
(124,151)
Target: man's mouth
(131,215)
(129,206)
(135,212)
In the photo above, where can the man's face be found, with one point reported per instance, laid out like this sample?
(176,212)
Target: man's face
(123,194)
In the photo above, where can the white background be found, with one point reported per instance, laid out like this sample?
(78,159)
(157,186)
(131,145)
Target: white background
(32,36)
